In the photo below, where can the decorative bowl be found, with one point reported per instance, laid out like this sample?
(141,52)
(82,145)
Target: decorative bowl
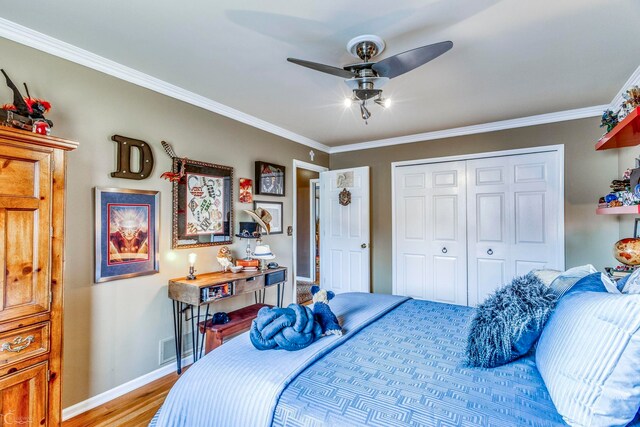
(627,251)
(236,268)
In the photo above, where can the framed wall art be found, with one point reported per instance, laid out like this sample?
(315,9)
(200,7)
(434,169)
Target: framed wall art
(275,209)
(246,191)
(126,240)
(270,179)
(202,204)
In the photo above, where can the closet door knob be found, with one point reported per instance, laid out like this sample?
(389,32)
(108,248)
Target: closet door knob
(363,246)
(490,252)
(444,250)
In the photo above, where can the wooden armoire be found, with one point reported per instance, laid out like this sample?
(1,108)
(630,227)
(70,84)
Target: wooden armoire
(32,200)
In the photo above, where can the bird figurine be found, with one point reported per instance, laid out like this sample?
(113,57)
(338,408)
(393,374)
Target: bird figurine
(224,258)
(173,176)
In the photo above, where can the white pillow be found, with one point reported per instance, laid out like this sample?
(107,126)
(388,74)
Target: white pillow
(566,280)
(588,357)
(633,283)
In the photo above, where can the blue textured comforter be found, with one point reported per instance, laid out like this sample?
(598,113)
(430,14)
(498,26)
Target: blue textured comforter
(404,367)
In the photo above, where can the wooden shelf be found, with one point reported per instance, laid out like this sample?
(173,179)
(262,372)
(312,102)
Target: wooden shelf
(625,134)
(621,210)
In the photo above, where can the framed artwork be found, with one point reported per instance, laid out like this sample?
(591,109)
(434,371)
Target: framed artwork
(202,204)
(275,209)
(126,241)
(246,190)
(270,179)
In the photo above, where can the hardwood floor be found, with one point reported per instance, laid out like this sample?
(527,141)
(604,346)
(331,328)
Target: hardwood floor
(132,409)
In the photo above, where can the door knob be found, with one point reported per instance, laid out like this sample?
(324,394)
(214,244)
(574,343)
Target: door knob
(363,246)
(444,250)
(490,252)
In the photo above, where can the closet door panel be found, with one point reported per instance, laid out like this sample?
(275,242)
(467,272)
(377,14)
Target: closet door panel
(488,213)
(430,233)
(513,224)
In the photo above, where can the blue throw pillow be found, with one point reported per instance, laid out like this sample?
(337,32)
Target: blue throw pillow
(509,322)
(590,283)
(588,358)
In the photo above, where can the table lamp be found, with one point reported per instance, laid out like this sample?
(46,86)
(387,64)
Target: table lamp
(192,263)
(263,253)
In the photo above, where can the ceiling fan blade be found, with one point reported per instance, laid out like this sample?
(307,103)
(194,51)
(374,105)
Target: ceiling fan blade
(323,68)
(406,61)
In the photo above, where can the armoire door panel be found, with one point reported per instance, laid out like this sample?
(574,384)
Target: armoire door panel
(23,397)
(530,217)
(445,217)
(490,217)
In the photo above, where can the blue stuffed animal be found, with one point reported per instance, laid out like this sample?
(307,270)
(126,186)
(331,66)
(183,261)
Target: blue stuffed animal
(322,312)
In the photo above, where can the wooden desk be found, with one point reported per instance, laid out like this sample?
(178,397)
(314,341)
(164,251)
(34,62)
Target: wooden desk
(190,296)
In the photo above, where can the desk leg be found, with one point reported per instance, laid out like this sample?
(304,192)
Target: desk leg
(177,331)
(195,333)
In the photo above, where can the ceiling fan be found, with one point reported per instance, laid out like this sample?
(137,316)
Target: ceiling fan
(366,78)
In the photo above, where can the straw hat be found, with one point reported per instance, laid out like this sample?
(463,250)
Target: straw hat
(263,252)
(262,217)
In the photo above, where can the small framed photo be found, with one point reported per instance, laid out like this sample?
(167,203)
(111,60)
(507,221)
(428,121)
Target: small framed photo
(246,191)
(126,240)
(636,228)
(275,209)
(270,179)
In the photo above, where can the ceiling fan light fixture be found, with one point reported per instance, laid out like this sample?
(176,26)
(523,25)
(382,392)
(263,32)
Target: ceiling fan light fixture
(383,102)
(348,102)
(364,112)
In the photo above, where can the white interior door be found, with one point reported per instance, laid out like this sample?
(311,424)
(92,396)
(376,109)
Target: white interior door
(431,248)
(513,219)
(344,231)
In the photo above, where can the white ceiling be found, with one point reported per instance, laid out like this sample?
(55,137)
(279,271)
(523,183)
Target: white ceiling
(511,58)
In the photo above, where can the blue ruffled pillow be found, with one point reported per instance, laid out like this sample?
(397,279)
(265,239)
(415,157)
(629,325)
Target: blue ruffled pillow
(509,322)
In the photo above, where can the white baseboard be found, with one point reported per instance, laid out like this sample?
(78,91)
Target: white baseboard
(120,390)
(303,279)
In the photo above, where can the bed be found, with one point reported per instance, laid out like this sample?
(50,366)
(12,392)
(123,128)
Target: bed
(399,362)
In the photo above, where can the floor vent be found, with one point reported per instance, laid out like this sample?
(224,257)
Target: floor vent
(168,349)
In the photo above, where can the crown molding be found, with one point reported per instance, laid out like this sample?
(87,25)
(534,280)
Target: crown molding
(28,37)
(633,80)
(560,116)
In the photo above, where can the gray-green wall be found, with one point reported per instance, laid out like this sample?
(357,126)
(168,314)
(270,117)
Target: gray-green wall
(112,330)
(589,237)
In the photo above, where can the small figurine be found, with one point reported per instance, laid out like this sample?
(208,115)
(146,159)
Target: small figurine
(224,258)
(32,108)
(609,119)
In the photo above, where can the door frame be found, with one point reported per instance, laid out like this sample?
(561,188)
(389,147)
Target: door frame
(299,164)
(558,148)
(315,186)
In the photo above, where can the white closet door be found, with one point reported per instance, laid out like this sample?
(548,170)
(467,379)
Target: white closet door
(431,258)
(513,219)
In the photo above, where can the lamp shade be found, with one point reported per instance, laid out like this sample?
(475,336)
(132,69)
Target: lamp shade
(263,252)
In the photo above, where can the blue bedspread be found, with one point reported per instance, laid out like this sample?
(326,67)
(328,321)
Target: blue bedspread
(405,368)
(237,385)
